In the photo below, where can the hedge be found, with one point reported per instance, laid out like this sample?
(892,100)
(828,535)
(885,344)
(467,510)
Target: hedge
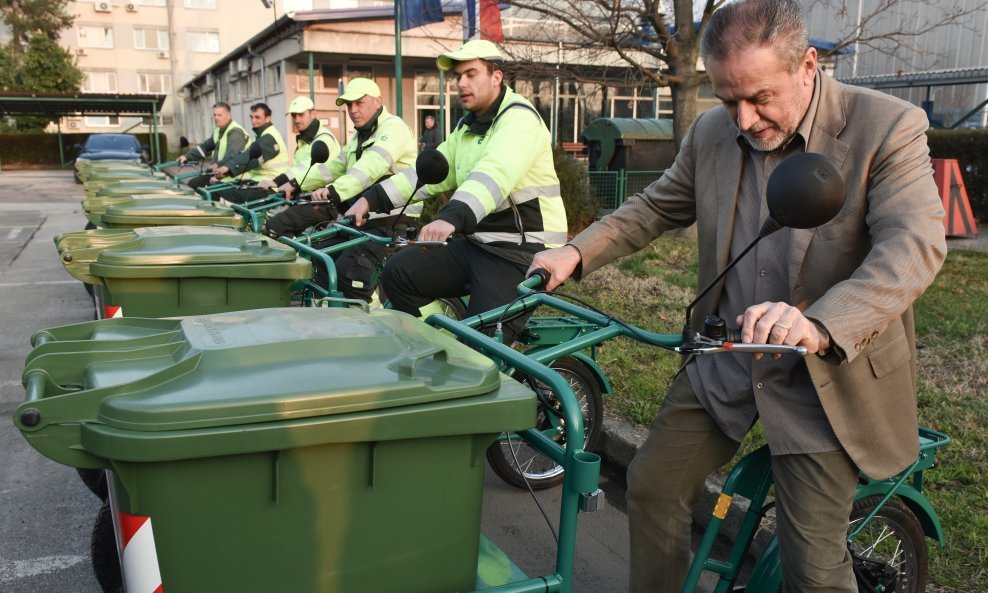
(42,148)
(970,148)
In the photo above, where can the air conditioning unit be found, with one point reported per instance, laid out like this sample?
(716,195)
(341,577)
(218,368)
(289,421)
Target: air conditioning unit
(131,7)
(102,6)
(81,51)
(243,64)
(210,80)
(163,55)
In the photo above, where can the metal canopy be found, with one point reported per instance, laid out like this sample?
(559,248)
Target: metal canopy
(927,78)
(55,106)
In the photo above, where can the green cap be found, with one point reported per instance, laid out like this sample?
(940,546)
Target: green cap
(478,49)
(357,88)
(300,105)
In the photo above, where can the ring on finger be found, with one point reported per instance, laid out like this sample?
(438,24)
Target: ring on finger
(782,325)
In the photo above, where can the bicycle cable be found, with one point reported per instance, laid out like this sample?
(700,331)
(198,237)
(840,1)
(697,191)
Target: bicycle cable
(535,499)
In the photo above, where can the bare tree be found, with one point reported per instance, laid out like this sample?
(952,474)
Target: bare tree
(659,40)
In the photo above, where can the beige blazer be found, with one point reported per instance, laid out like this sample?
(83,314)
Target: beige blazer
(858,275)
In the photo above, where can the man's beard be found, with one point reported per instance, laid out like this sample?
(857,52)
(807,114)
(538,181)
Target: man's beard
(773,142)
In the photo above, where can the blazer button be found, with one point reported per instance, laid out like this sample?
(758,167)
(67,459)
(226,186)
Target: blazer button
(874,335)
(858,346)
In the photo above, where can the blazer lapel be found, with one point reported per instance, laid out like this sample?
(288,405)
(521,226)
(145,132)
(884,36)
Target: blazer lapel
(728,162)
(828,122)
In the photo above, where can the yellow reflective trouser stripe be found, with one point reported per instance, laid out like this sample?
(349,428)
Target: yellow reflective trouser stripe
(545,237)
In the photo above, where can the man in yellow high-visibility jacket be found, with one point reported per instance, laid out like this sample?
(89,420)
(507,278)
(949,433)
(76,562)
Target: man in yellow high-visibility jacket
(381,145)
(274,154)
(507,205)
(227,140)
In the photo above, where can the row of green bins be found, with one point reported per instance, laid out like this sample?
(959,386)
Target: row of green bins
(128,187)
(181,270)
(302,450)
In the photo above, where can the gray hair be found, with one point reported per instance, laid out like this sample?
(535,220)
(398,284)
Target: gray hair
(742,24)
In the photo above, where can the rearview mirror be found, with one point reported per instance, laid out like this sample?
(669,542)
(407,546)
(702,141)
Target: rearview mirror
(804,191)
(319,153)
(431,167)
(183,142)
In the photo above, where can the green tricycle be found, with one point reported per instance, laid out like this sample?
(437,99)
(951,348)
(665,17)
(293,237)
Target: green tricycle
(890,516)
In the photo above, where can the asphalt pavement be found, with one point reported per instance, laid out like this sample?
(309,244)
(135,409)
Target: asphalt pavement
(46,514)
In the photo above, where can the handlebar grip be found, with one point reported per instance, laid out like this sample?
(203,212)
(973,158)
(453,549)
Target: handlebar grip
(539,277)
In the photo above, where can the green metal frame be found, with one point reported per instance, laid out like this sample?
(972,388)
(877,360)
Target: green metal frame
(752,478)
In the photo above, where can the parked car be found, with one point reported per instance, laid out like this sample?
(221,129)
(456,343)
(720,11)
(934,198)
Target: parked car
(99,147)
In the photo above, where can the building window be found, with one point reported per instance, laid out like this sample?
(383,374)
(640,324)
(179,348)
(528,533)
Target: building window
(273,79)
(205,4)
(102,121)
(95,36)
(100,82)
(151,39)
(154,83)
(204,42)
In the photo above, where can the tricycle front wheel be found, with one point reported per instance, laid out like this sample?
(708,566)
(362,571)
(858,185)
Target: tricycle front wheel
(522,465)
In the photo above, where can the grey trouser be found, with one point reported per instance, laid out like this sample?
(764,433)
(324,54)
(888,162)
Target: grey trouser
(814,494)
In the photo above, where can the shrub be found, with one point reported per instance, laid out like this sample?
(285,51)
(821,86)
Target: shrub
(574,185)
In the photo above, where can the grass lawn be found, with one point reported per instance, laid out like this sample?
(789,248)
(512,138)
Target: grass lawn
(651,288)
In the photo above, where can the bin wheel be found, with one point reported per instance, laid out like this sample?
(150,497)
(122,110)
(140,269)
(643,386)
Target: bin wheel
(518,463)
(103,552)
(889,554)
(95,480)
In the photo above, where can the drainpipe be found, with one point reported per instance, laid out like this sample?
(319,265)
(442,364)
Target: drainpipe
(264,85)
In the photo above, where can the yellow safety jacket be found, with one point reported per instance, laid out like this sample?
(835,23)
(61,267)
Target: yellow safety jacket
(271,167)
(320,174)
(389,148)
(220,137)
(506,189)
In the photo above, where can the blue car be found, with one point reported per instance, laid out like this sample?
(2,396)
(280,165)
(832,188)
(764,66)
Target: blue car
(100,147)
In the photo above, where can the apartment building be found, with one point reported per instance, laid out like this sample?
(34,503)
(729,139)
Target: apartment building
(154,47)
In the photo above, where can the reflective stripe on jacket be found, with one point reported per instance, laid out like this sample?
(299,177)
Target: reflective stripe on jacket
(506,189)
(390,148)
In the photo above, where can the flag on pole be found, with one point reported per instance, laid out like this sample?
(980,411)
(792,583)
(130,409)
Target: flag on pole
(488,17)
(415,13)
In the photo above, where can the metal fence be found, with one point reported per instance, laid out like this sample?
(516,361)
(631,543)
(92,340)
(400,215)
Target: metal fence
(612,188)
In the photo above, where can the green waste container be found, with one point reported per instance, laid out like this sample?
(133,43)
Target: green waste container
(167,210)
(632,144)
(178,270)
(129,187)
(94,207)
(301,450)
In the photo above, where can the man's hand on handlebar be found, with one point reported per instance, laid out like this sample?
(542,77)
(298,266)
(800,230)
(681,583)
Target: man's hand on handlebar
(437,230)
(781,323)
(359,212)
(560,262)
(182,160)
(267,184)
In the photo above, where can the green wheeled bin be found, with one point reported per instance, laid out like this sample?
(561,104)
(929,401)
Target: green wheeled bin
(633,144)
(168,210)
(178,270)
(305,450)
(95,206)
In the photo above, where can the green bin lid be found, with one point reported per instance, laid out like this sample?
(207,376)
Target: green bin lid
(258,380)
(177,251)
(169,210)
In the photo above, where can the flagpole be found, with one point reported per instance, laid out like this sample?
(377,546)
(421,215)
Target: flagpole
(398,74)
